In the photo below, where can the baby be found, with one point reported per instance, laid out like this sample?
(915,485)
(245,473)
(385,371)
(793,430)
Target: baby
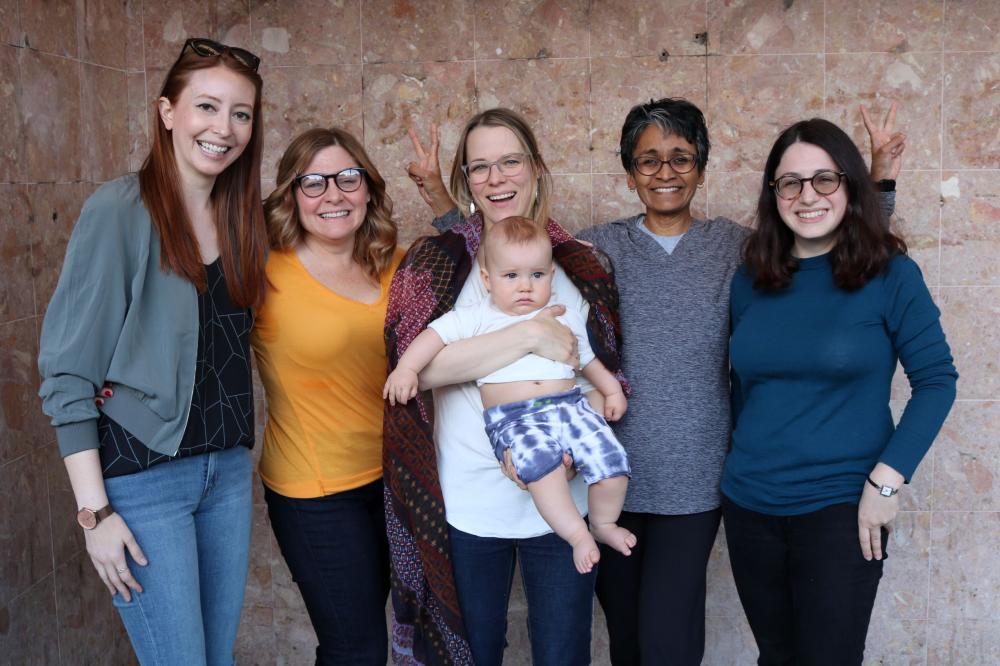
(532,406)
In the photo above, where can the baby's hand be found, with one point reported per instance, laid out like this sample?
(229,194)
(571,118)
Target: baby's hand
(400,386)
(615,406)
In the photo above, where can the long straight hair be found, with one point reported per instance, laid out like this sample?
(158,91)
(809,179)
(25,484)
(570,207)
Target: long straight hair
(235,198)
(864,244)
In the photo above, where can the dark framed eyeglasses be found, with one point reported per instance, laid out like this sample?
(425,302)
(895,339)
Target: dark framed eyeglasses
(314,184)
(823,182)
(510,165)
(209,48)
(650,165)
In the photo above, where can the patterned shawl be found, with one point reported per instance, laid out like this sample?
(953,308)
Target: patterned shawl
(427,623)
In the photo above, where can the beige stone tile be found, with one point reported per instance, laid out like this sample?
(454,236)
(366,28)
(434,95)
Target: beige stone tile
(413,217)
(167,25)
(532,29)
(964,572)
(85,611)
(553,95)
(398,95)
(912,80)
(104,123)
(902,593)
(256,642)
(12,138)
(618,84)
(571,202)
(963,643)
(231,23)
(893,640)
(300,98)
(731,194)
(917,494)
(316,32)
(728,641)
(29,633)
(970,227)
(50,112)
(751,99)
(895,26)
(17,299)
(50,26)
(760,26)
(972,113)
(971,25)
(140,108)
(918,219)
(969,316)
(721,598)
(667,27)
(53,209)
(135,47)
(104,24)
(10,23)
(23,427)
(25,522)
(404,30)
(967,459)
(295,640)
(259,593)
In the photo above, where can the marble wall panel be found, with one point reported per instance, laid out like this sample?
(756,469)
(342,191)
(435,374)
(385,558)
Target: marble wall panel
(963,643)
(554,96)
(50,111)
(971,25)
(67,538)
(140,108)
(408,30)
(11,139)
(412,215)
(30,629)
(51,26)
(918,219)
(53,210)
(398,96)
(533,29)
(967,458)
(893,640)
(312,32)
(964,575)
(618,84)
(300,98)
(969,315)
(663,29)
(103,33)
(918,493)
(971,110)
(167,25)
(912,80)
(23,428)
(730,194)
(87,619)
(104,127)
(17,296)
(970,227)
(10,23)
(764,26)
(135,44)
(750,102)
(902,593)
(571,202)
(895,26)
(231,23)
(728,640)
(24,521)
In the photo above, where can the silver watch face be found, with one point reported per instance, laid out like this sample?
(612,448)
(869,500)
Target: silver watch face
(886,491)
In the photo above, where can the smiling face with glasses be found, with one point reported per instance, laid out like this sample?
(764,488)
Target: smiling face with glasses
(664,174)
(332,196)
(499,172)
(811,199)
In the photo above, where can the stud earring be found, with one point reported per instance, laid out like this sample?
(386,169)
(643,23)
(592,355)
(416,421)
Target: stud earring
(472,208)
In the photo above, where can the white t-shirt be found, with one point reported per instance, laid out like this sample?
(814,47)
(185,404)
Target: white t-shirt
(472,320)
(478,498)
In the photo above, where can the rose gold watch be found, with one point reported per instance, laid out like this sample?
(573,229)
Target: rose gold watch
(89,518)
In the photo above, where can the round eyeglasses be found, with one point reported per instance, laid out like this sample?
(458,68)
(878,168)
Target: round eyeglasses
(650,165)
(314,184)
(823,182)
(510,165)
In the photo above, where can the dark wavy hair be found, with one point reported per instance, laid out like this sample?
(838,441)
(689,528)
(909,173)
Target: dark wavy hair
(864,245)
(672,115)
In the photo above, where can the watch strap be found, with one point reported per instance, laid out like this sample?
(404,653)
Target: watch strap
(883,490)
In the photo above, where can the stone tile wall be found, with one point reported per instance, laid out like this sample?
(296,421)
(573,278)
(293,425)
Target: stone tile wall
(76,81)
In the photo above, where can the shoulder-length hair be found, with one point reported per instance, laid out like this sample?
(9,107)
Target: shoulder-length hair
(235,198)
(501,117)
(863,243)
(375,239)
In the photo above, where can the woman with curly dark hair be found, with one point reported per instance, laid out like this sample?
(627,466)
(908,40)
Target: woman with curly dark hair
(824,307)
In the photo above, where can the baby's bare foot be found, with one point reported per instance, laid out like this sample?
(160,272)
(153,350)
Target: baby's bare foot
(585,554)
(618,538)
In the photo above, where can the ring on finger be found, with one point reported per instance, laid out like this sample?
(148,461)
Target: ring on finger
(121,570)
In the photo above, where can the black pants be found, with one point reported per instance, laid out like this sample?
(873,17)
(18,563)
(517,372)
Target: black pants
(654,600)
(337,551)
(806,589)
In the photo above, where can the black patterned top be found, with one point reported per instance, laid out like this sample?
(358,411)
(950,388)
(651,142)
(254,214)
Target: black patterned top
(222,405)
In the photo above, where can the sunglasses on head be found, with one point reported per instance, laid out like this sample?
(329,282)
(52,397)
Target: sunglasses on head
(208,48)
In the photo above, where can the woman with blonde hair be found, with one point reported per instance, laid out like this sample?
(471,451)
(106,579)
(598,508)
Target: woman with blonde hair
(321,358)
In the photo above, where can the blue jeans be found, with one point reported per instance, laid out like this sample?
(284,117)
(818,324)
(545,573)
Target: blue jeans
(191,517)
(560,600)
(337,550)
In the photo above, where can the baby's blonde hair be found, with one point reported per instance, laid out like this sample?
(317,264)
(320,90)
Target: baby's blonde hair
(515,230)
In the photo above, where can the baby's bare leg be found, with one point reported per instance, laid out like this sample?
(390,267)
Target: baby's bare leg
(552,497)
(605,499)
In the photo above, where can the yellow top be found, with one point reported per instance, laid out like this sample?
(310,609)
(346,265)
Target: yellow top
(321,358)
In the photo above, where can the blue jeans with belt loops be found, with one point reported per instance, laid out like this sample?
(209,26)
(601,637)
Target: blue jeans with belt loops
(192,518)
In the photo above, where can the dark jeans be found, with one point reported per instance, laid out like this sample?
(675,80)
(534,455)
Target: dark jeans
(560,600)
(654,600)
(336,549)
(806,589)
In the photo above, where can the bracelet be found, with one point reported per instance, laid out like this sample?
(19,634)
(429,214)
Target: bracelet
(883,490)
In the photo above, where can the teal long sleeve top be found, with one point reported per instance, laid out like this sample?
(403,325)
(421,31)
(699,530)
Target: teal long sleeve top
(811,372)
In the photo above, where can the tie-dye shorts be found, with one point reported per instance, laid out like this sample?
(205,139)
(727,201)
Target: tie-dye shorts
(540,430)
